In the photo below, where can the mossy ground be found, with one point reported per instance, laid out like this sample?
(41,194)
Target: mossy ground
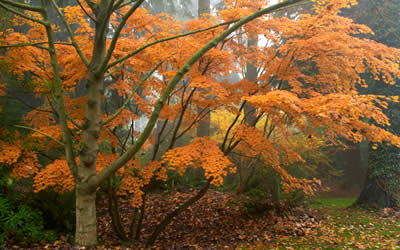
(343,226)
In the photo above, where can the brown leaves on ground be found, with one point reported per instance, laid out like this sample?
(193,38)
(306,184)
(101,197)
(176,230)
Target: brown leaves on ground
(212,222)
(216,221)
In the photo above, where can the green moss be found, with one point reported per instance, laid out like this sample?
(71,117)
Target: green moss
(331,203)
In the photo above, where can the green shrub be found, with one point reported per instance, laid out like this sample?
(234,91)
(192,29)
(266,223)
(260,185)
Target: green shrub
(22,224)
(49,202)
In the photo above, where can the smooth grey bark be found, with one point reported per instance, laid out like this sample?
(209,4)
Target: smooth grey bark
(86,230)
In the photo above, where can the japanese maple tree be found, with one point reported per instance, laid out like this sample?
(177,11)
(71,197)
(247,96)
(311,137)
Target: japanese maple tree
(306,82)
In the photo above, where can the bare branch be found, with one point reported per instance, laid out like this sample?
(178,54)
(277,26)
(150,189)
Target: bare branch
(40,132)
(92,5)
(54,98)
(164,40)
(16,12)
(59,98)
(199,117)
(133,149)
(115,70)
(131,95)
(117,33)
(23,6)
(123,4)
(71,35)
(231,126)
(84,10)
(32,44)
(9,95)
(180,119)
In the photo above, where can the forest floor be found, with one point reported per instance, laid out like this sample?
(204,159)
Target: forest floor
(342,226)
(217,222)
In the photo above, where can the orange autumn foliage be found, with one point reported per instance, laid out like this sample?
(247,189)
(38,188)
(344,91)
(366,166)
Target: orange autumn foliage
(308,76)
(202,153)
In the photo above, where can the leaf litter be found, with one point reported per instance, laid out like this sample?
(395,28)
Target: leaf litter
(214,223)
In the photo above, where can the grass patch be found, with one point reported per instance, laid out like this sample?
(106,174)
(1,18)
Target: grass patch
(330,203)
(339,228)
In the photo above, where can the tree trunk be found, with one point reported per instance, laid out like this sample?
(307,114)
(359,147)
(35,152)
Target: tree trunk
(354,169)
(204,125)
(243,181)
(86,231)
(245,174)
(380,187)
(374,195)
(204,7)
(251,120)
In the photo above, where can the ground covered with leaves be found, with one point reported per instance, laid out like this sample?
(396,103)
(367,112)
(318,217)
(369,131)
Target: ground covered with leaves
(342,226)
(219,221)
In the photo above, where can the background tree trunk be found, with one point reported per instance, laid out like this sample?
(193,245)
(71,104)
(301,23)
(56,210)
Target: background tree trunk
(381,186)
(354,170)
(374,195)
(246,170)
(204,124)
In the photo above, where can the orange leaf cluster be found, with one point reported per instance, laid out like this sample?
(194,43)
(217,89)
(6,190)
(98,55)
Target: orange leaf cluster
(315,57)
(55,175)
(135,178)
(202,153)
(27,166)
(9,153)
(2,89)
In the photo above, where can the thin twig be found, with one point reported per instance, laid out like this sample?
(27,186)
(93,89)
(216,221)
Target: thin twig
(166,39)
(40,132)
(87,13)
(16,12)
(71,34)
(131,95)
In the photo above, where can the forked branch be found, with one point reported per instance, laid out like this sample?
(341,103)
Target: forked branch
(71,34)
(112,117)
(164,40)
(21,14)
(117,33)
(23,6)
(95,181)
(40,132)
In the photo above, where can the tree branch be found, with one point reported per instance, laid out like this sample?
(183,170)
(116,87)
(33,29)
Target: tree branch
(231,126)
(92,5)
(32,44)
(115,70)
(166,39)
(168,218)
(87,13)
(131,95)
(117,33)
(18,13)
(120,4)
(40,132)
(59,99)
(23,6)
(200,116)
(180,119)
(95,181)
(71,34)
